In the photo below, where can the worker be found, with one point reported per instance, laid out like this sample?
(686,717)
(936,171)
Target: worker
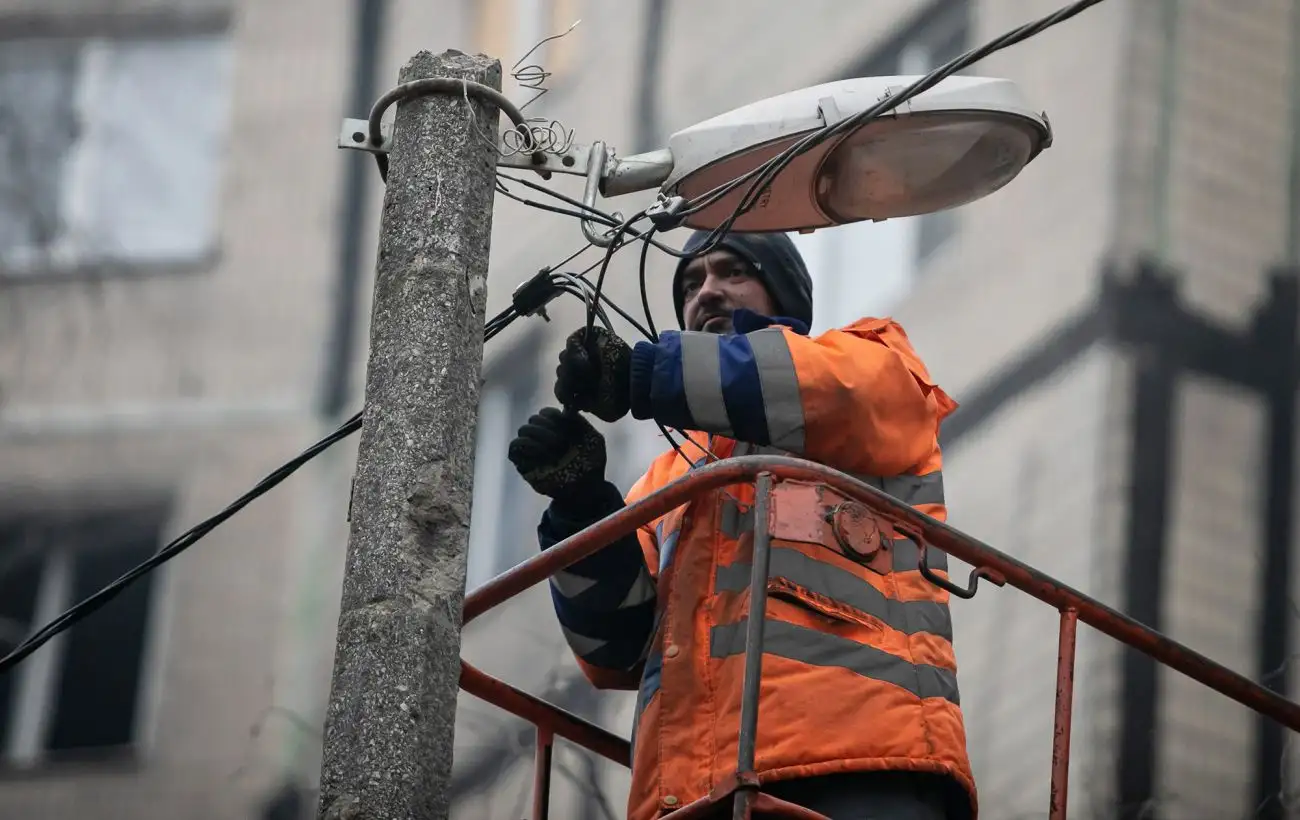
(858,708)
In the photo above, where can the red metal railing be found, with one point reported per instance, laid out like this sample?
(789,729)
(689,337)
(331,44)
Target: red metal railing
(765,471)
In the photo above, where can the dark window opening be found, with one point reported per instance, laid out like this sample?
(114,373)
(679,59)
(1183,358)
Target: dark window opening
(88,694)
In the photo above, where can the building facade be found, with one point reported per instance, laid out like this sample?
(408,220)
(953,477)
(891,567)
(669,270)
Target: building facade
(184,267)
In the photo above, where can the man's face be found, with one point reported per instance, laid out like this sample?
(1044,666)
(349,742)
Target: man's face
(717,283)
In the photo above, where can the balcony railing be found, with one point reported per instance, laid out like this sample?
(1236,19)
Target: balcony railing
(743,790)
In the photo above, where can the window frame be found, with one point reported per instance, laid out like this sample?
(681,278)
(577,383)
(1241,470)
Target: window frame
(145,23)
(65,537)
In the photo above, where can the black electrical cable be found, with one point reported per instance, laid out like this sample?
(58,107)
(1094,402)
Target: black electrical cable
(582,211)
(589,292)
(585,296)
(672,441)
(90,605)
(593,213)
(652,333)
(566,260)
(180,544)
(541,206)
(616,242)
(627,317)
(604,218)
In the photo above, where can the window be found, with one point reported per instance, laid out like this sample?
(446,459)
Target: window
(77,696)
(502,528)
(865,268)
(110,150)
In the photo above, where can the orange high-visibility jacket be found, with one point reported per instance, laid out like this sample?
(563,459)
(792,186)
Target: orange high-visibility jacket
(858,666)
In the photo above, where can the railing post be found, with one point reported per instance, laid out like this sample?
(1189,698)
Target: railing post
(542,774)
(748,740)
(1064,704)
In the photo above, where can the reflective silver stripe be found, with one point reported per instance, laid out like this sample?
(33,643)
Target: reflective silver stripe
(815,648)
(780,383)
(702,380)
(910,489)
(643,589)
(870,480)
(581,645)
(915,489)
(907,557)
(570,585)
(908,617)
(735,522)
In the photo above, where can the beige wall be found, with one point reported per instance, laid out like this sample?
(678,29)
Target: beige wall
(1030,484)
(1219,214)
(1221,84)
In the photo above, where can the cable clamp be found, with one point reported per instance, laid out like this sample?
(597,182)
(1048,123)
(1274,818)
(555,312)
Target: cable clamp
(534,294)
(664,212)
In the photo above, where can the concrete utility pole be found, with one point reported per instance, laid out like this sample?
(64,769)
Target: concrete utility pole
(392,708)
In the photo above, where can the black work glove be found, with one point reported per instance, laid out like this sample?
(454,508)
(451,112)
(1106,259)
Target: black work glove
(594,374)
(559,454)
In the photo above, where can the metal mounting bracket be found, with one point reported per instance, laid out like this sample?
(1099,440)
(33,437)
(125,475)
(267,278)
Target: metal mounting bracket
(353,135)
(576,160)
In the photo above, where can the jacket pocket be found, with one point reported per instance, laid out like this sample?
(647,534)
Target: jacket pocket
(780,588)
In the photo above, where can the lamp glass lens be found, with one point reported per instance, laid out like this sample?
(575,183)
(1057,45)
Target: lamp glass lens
(920,164)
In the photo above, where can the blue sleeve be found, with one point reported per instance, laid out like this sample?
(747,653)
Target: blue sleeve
(715,383)
(606,602)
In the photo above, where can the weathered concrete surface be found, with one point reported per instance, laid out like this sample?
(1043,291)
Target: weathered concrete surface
(389,728)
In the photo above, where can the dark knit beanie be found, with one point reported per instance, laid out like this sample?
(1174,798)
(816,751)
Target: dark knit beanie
(776,262)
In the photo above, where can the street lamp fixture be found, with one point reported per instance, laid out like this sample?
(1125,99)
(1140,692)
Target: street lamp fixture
(955,143)
(958,142)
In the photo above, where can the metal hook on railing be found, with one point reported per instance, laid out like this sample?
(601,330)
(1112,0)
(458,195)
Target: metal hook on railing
(923,549)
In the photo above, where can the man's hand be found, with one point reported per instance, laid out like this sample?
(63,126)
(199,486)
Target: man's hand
(594,374)
(559,453)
